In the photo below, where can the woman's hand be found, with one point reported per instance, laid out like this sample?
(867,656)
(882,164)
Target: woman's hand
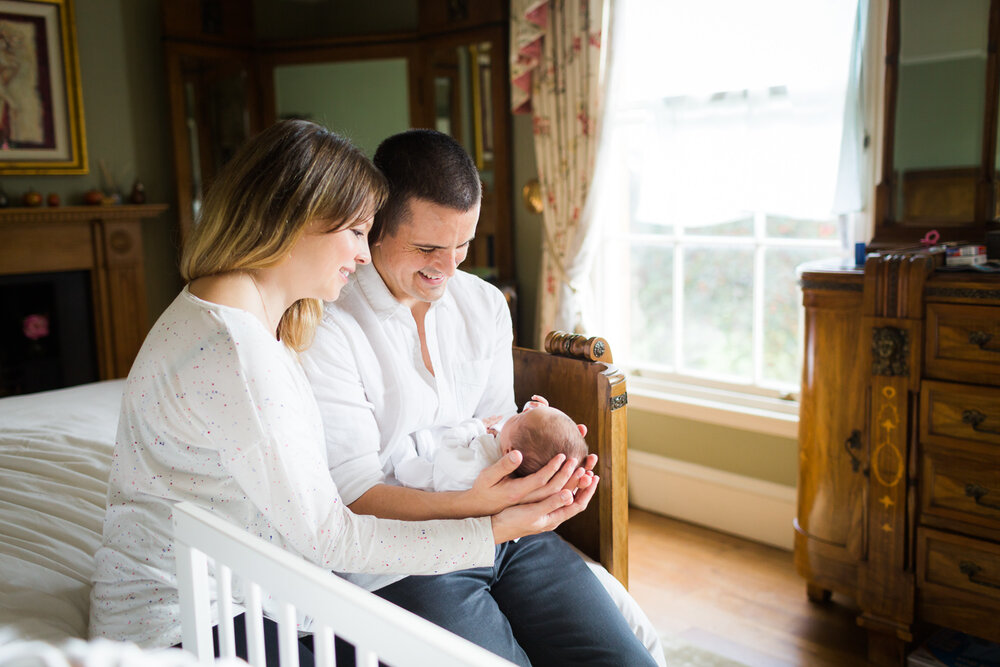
(494,491)
(544,515)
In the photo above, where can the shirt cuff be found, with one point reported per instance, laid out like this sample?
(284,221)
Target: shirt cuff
(355,477)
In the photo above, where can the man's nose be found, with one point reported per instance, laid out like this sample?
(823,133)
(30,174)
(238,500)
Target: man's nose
(448,261)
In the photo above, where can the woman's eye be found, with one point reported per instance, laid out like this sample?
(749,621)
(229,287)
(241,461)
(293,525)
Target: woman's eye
(359,233)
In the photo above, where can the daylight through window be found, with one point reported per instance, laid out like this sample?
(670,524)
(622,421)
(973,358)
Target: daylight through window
(723,141)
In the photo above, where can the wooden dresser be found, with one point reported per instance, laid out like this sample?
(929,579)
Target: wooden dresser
(899,446)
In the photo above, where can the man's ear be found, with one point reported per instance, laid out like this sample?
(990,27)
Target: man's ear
(583,429)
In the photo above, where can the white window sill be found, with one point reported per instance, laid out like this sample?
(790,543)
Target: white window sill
(758,414)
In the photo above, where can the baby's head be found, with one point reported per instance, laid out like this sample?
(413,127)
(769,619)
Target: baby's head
(539,434)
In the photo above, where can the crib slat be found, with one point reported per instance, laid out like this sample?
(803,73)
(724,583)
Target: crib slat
(366,657)
(323,646)
(288,636)
(196,612)
(224,599)
(255,626)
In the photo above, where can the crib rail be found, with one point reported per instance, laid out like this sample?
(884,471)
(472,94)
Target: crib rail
(377,629)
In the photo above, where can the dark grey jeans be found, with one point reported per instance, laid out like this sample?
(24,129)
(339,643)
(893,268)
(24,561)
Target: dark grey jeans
(538,605)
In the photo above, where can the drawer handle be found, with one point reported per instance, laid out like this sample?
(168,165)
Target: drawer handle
(974,418)
(971,570)
(977,493)
(982,339)
(852,443)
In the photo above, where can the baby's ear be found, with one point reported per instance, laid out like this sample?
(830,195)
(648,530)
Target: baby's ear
(583,429)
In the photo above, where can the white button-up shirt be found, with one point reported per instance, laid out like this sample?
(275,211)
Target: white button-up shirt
(373,389)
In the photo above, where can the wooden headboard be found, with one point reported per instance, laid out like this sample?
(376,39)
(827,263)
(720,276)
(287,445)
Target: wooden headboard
(576,375)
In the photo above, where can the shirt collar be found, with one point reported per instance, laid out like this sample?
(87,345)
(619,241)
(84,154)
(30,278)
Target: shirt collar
(381,299)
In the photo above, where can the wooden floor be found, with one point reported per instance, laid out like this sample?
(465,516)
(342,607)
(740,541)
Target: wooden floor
(737,598)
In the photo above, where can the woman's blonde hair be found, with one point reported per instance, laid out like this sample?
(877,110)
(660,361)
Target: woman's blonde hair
(262,199)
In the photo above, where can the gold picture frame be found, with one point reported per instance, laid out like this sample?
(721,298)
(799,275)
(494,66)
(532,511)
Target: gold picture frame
(41,102)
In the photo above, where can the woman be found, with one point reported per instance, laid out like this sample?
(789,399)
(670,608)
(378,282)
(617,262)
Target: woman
(217,410)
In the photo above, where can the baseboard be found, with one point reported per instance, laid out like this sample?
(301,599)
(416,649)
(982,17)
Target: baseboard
(744,506)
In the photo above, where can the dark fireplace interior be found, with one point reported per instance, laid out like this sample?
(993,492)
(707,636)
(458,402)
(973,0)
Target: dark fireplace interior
(46,332)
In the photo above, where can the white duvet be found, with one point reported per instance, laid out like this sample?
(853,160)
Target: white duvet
(55,453)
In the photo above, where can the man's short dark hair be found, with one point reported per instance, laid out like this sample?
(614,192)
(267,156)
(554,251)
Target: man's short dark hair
(428,165)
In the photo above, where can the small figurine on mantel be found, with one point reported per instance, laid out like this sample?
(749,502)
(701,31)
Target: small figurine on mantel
(138,195)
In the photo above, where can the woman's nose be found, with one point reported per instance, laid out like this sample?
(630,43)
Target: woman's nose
(364,254)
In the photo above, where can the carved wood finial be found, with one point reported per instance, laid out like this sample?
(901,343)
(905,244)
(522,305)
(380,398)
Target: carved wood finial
(578,346)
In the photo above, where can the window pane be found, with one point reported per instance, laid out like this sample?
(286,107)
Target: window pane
(739,227)
(658,228)
(718,312)
(791,228)
(782,308)
(651,330)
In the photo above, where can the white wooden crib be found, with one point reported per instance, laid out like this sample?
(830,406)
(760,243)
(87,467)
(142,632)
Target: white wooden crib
(379,630)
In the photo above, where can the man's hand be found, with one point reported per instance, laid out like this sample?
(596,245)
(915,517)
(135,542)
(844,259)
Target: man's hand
(494,491)
(581,478)
(542,516)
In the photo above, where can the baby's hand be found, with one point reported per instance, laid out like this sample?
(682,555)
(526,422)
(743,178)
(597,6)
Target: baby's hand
(490,422)
(535,402)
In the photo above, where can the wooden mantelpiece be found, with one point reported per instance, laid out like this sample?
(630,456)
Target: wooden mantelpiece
(106,241)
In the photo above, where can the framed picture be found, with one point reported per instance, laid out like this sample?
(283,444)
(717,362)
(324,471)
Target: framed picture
(41,107)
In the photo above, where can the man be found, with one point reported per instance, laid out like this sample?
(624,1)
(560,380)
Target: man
(412,343)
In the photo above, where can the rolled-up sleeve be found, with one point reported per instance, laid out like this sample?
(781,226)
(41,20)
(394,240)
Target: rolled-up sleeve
(498,397)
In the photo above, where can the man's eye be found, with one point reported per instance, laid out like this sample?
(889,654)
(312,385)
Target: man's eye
(426,251)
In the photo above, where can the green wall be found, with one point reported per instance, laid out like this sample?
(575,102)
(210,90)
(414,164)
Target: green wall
(366,101)
(125,115)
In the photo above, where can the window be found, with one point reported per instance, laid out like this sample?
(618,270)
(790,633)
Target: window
(722,151)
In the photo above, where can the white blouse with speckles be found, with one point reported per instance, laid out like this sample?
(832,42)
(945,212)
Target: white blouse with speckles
(216,411)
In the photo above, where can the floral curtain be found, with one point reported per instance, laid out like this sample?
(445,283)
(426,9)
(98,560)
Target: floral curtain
(557,59)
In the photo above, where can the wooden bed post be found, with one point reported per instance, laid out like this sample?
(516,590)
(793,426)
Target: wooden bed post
(576,376)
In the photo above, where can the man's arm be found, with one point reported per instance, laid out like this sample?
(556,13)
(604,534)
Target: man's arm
(353,440)
(492,493)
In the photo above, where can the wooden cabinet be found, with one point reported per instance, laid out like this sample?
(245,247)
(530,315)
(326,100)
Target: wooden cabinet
(829,535)
(899,446)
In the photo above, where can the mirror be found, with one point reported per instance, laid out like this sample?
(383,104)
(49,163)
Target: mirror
(939,151)
(940,102)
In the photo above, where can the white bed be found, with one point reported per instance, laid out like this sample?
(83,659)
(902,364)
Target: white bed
(55,453)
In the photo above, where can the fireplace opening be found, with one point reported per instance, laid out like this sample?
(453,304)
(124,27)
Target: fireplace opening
(46,332)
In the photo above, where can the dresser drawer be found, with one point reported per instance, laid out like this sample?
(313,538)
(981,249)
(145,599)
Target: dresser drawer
(960,488)
(961,416)
(960,565)
(963,343)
